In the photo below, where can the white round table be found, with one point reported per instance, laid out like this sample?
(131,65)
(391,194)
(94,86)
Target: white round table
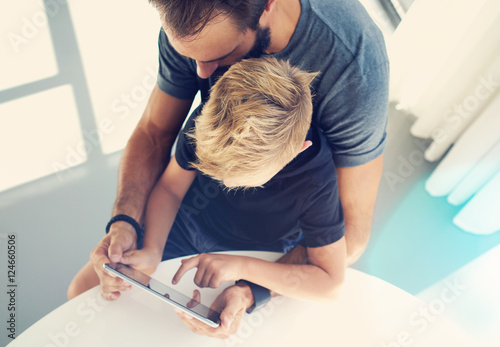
(369,312)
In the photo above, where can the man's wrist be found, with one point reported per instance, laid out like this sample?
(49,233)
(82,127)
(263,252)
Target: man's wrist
(261,295)
(128,220)
(247,294)
(121,226)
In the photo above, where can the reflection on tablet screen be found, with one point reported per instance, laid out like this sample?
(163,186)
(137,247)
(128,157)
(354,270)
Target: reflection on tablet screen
(165,291)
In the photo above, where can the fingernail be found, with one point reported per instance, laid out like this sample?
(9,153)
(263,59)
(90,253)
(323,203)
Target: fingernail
(174,282)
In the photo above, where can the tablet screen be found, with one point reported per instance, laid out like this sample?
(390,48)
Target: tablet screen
(161,290)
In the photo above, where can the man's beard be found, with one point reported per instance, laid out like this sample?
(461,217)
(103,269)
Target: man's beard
(262,42)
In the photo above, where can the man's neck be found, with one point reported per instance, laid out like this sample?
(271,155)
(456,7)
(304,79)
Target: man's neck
(284,20)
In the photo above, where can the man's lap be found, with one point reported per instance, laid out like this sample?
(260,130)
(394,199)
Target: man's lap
(184,241)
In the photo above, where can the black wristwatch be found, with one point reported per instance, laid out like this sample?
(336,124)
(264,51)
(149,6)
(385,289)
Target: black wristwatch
(123,217)
(261,295)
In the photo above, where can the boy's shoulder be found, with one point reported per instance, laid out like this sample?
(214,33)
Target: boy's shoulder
(314,166)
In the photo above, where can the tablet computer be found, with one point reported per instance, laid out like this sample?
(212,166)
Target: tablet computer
(165,293)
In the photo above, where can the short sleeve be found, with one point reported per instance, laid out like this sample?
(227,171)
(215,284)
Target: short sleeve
(322,222)
(357,133)
(176,74)
(185,152)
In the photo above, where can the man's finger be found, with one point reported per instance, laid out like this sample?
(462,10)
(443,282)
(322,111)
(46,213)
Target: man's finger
(110,296)
(198,327)
(115,284)
(110,282)
(232,312)
(115,250)
(99,258)
(187,265)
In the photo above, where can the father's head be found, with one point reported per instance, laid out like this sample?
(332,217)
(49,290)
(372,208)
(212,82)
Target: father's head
(216,32)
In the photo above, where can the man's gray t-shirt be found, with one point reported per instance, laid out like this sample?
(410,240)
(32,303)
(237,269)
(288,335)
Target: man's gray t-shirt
(338,39)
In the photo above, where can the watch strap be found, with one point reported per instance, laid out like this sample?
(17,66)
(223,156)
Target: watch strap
(123,217)
(261,295)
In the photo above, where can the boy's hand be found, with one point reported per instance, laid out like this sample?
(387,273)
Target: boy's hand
(233,302)
(144,260)
(213,269)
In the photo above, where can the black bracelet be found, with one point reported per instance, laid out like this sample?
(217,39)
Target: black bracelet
(129,220)
(261,295)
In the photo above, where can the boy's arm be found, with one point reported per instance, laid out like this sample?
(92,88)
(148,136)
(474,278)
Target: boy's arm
(163,205)
(319,280)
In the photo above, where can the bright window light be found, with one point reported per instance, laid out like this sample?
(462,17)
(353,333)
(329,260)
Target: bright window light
(40,135)
(27,53)
(120,62)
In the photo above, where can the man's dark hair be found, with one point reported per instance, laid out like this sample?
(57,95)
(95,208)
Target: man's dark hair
(189,17)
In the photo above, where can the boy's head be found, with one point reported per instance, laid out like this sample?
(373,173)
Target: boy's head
(254,123)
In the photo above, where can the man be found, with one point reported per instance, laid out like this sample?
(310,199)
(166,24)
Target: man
(198,41)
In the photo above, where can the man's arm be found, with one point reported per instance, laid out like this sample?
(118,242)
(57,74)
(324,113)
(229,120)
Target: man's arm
(144,158)
(358,188)
(148,151)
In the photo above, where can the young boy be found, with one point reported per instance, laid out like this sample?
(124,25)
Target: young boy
(250,173)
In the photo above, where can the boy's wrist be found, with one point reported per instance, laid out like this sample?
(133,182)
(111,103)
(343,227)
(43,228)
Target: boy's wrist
(154,250)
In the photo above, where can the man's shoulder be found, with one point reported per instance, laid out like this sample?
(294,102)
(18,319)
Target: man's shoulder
(351,29)
(185,148)
(347,19)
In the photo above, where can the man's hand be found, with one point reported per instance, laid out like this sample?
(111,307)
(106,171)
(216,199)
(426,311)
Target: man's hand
(121,238)
(213,269)
(233,302)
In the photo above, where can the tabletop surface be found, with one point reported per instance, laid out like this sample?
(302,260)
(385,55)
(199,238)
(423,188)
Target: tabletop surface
(369,312)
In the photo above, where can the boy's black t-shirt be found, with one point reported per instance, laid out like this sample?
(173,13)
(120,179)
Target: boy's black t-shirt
(300,199)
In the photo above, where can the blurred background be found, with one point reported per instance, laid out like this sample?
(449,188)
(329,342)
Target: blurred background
(75,77)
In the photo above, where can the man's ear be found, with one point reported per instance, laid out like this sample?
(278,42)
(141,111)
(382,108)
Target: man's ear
(264,18)
(306,145)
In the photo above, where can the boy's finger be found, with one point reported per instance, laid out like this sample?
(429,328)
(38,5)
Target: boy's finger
(130,258)
(195,301)
(187,265)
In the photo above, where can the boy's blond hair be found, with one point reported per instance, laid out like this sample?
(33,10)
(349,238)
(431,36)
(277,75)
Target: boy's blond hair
(255,121)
